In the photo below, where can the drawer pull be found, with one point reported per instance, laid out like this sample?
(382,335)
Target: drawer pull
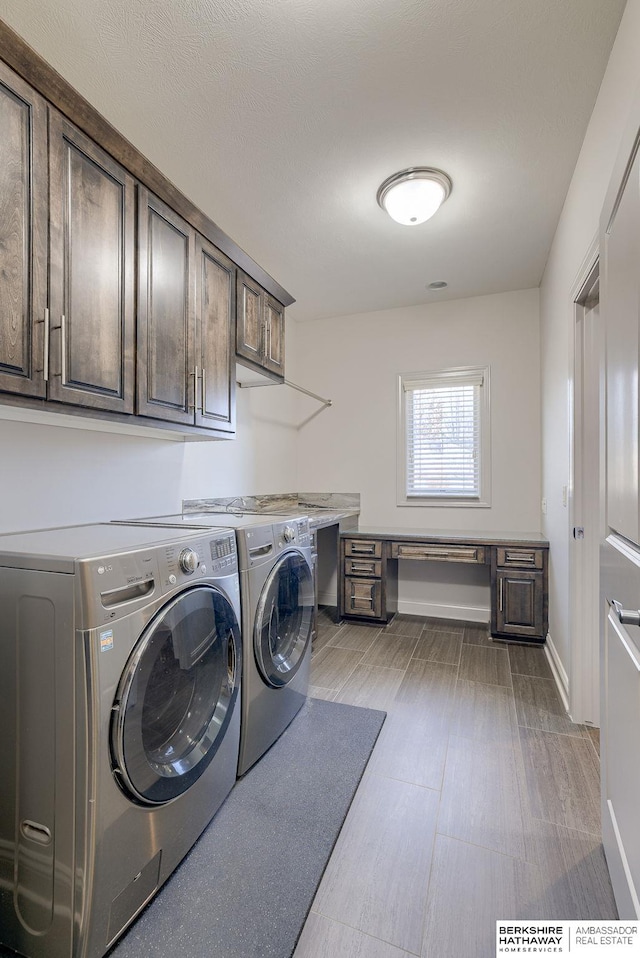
(363,547)
(368,567)
(435,552)
(520,557)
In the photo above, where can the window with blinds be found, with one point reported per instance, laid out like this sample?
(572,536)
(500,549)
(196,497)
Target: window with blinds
(444,416)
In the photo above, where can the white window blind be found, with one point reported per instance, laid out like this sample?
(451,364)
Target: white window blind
(443,426)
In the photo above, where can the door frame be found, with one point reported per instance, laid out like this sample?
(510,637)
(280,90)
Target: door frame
(583,691)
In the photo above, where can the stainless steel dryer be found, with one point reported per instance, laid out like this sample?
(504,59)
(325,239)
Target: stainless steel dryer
(277,593)
(276,583)
(120,666)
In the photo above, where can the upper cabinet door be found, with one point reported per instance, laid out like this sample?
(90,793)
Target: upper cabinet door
(250,334)
(215,337)
(92,225)
(23,236)
(260,333)
(274,337)
(167,375)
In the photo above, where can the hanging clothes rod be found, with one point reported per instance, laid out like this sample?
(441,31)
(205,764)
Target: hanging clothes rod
(286,382)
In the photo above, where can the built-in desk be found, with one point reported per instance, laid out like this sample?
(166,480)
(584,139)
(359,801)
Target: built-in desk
(368,577)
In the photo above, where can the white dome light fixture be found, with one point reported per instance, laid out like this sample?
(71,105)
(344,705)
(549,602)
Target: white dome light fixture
(414,195)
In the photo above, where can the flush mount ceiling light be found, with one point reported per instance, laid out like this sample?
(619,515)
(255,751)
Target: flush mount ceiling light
(414,195)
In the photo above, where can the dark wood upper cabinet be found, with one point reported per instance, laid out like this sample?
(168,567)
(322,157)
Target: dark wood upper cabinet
(166,349)
(186,322)
(117,297)
(215,307)
(260,330)
(250,331)
(92,223)
(23,236)
(274,342)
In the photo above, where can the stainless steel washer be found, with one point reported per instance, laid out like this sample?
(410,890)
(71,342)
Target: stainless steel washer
(277,597)
(120,666)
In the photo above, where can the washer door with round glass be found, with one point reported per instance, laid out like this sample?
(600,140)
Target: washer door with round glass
(284,619)
(176,696)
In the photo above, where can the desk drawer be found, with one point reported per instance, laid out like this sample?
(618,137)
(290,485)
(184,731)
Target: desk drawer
(363,547)
(520,558)
(435,552)
(370,567)
(363,597)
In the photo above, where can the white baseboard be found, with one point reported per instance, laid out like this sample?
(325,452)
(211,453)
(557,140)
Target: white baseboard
(558,671)
(327,598)
(432,609)
(464,613)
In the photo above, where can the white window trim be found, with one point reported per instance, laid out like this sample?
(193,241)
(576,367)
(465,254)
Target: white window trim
(483,501)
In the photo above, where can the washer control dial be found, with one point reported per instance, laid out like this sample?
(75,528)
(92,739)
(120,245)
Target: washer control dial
(288,533)
(188,561)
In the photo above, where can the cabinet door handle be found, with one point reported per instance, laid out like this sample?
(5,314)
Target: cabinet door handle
(194,376)
(47,333)
(45,343)
(500,594)
(63,349)
(203,389)
(626,616)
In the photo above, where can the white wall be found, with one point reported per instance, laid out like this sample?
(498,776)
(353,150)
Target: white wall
(60,476)
(355,361)
(576,232)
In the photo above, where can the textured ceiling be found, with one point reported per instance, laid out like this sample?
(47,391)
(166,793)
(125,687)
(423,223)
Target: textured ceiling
(280,118)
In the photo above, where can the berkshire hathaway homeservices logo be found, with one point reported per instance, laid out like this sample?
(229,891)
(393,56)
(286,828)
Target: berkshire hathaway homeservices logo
(530,937)
(587,939)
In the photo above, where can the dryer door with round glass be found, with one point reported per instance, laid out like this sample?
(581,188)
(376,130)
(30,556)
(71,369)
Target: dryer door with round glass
(176,696)
(284,619)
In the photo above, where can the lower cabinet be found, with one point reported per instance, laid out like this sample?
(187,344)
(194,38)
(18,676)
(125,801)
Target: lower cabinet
(519,606)
(367,589)
(363,597)
(519,587)
(519,593)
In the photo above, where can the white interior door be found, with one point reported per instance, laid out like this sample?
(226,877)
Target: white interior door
(588,504)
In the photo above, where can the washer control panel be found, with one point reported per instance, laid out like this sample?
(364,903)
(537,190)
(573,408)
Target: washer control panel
(293,532)
(118,585)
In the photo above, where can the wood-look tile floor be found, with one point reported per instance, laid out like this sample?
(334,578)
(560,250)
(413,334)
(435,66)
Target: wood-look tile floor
(480,800)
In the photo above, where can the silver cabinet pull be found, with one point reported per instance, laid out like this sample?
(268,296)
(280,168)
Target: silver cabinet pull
(45,344)
(194,376)
(501,594)
(63,350)
(626,616)
(47,333)
(520,557)
(203,390)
